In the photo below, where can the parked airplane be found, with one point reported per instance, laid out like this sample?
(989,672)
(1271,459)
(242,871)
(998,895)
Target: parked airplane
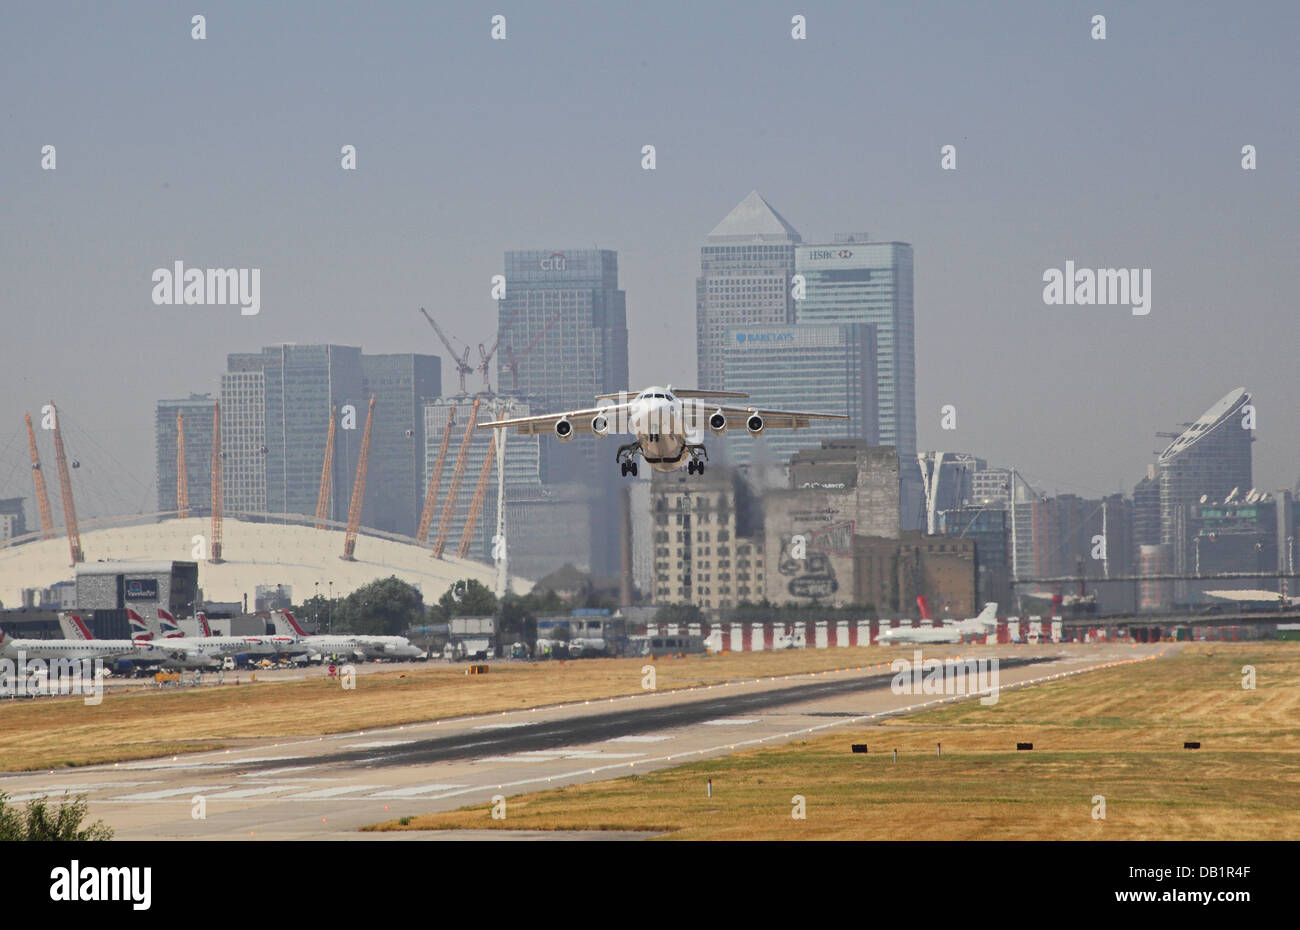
(985,622)
(668,425)
(220,646)
(358,645)
(149,652)
(66,648)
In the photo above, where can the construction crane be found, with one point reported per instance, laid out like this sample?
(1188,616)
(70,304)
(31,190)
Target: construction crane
(486,356)
(431,496)
(65,487)
(514,360)
(182,476)
(359,487)
(449,506)
(326,474)
(38,477)
(463,367)
(214,543)
(467,535)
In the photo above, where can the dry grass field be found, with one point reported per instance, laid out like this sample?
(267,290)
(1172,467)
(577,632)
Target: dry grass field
(1117,733)
(52,733)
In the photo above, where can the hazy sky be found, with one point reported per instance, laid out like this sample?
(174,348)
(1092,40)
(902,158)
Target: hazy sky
(226,153)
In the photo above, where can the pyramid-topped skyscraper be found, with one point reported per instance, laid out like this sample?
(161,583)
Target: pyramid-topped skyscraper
(754,220)
(745,268)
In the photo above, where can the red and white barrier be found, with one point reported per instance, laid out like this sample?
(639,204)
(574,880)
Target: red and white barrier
(832,634)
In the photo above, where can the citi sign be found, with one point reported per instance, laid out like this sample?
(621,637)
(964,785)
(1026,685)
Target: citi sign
(830,253)
(553,262)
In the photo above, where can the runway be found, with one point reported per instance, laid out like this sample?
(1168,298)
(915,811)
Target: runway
(328,787)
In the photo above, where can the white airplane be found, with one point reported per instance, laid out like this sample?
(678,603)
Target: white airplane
(218,647)
(67,648)
(148,652)
(668,425)
(345,644)
(985,622)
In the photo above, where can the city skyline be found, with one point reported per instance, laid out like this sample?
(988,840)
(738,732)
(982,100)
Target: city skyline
(1072,396)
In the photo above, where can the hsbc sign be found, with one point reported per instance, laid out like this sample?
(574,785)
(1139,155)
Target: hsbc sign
(817,254)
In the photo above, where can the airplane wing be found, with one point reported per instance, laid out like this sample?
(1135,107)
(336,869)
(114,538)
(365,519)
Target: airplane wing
(772,419)
(616,414)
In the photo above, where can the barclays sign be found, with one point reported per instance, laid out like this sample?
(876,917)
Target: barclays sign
(742,338)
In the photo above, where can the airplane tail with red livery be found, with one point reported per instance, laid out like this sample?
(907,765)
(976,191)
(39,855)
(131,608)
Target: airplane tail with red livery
(1056,606)
(139,629)
(168,626)
(204,629)
(924,605)
(291,623)
(75,627)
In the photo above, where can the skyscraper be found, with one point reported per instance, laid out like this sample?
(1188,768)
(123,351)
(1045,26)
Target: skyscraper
(243,437)
(562,331)
(820,368)
(856,281)
(1146,513)
(1211,457)
(400,384)
(745,268)
(196,414)
(300,385)
(564,321)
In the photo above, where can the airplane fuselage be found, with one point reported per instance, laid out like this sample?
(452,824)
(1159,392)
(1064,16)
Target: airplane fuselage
(660,429)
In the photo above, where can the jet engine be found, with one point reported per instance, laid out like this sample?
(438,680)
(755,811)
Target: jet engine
(600,424)
(755,425)
(718,422)
(563,429)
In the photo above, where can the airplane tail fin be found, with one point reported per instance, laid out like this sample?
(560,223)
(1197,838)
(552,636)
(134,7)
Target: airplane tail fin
(292,623)
(204,629)
(1056,606)
(924,605)
(168,626)
(989,615)
(139,629)
(77,628)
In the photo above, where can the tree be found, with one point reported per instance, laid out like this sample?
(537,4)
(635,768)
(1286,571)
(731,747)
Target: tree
(42,823)
(387,607)
(468,598)
(317,609)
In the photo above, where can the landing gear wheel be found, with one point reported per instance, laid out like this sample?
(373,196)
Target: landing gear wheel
(699,468)
(623,466)
(690,467)
(632,466)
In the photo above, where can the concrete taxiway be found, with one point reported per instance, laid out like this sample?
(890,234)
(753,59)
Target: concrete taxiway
(327,787)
